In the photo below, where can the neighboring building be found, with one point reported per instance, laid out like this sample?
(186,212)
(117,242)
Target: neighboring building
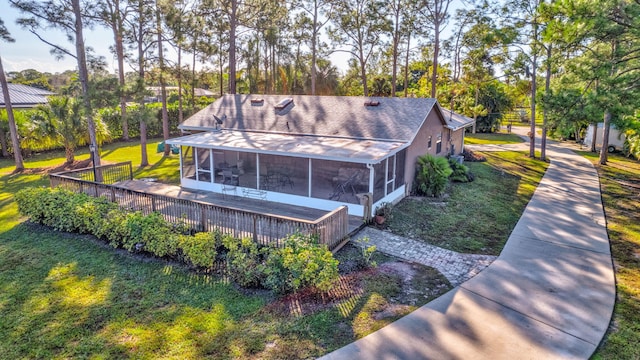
(24,96)
(316,151)
(157,92)
(616,138)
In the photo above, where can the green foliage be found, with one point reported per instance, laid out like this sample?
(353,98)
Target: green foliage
(495,100)
(151,232)
(432,175)
(460,172)
(244,261)
(300,263)
(151,113)
(200,249)
(384,209)
(366,252)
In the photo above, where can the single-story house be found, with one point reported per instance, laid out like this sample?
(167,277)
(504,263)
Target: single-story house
(24,96)
(315,151)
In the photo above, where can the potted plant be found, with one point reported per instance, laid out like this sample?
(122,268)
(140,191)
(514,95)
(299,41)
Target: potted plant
(382,213)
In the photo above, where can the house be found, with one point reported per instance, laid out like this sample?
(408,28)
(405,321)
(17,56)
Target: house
(24,96)
(315,151)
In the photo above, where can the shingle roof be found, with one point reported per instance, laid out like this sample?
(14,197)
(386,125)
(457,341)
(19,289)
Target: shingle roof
(397,119)
(456,121)
(23,96)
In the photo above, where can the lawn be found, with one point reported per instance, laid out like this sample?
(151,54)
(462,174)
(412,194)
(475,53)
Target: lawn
(67,295)
(475,217)
(620,185)
(492,138)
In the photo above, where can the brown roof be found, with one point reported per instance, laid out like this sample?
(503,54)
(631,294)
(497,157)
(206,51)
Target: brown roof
(397,119)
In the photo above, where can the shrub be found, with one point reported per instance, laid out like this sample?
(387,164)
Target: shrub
(301,262)
(29,201)
(114,230)
(366,253)
(200,249)
(432,175)
(151,233)
(460,172)
(244,261)
(92,215)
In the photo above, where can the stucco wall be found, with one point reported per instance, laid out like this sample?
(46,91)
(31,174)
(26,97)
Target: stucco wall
(457,140)
(420,146)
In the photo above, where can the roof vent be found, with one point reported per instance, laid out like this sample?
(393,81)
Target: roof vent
(371,103)
(257,101)
(283,103)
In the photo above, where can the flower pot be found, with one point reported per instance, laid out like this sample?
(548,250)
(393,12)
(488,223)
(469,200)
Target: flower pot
(379,219)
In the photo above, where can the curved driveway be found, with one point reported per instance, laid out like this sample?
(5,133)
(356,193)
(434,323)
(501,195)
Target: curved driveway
(549,295)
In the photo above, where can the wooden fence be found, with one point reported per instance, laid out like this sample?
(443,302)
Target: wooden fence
(264,229)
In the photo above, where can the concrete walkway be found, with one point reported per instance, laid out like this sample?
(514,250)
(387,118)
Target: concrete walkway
(549,295)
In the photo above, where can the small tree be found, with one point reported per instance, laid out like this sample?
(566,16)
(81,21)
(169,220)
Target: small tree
(432,175)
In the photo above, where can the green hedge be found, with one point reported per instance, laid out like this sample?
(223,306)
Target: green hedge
(301,263)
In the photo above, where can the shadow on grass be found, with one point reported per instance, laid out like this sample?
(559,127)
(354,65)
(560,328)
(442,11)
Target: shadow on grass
(67,295)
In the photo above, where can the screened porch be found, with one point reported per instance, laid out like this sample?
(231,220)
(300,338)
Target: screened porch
(314,177)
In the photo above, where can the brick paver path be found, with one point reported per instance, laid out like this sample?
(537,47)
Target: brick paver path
(456,267)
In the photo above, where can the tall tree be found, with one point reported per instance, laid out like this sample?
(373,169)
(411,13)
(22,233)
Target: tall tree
(67,16)
(605,35)
(360,24)
(15,142)
(437,12)
(112,13)
(163,87)
(319,13)
(140,31)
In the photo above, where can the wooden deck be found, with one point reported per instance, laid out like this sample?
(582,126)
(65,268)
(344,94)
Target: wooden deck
(233,201)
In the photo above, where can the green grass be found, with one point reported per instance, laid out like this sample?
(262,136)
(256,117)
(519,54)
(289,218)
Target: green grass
(476,217)
(492,138)
(620,185)
(71,296)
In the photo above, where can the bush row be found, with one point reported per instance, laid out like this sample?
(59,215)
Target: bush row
(300,263)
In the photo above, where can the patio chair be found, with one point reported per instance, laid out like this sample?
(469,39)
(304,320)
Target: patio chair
(229,178)
(227,188)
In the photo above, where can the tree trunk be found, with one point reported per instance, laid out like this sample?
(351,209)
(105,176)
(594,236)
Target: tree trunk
(144,159)
(163,89)
(69,154)
(83,74)
(314,51)
(534,69)
(13,131)
(180,115)
(547,91)
(233,24)
(118,38)
(406,67)
(3,144)
(396,40)
(594,137)
(606,127)
(436,53)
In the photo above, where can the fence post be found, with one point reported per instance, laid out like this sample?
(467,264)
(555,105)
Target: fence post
(203,217)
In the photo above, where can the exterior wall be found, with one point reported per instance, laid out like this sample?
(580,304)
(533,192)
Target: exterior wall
(420,146)
(457,140)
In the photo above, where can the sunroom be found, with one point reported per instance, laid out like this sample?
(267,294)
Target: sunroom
(314,171)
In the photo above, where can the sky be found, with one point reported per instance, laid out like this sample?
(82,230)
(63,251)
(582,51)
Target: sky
(28,52)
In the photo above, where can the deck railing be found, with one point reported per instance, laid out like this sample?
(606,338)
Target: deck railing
(264,229)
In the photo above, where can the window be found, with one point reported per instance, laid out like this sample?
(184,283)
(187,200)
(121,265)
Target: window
(439,144)
(429,143)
